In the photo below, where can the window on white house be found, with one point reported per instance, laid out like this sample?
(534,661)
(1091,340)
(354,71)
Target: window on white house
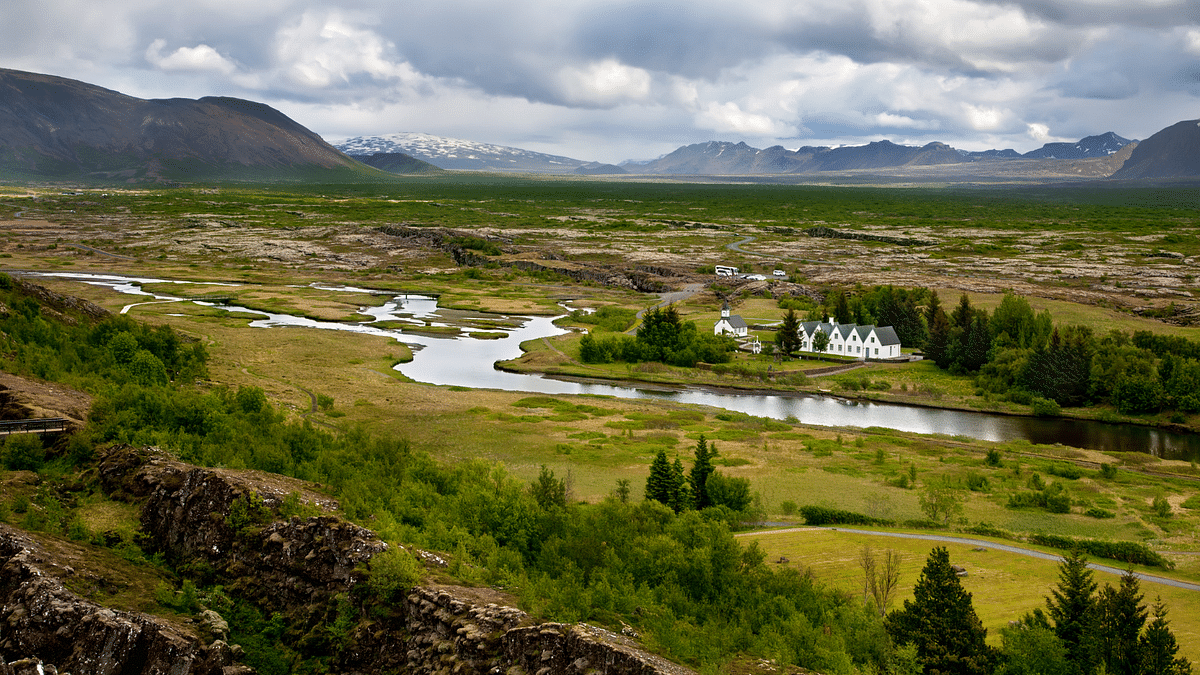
(877,351)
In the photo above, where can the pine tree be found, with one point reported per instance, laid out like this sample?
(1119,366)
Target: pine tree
(937,345)
(701,470)
(841,308)
(658,485)
(1120,620)
(681,492)
(942,623)
(1073,610)
(788,337)
(1157,647)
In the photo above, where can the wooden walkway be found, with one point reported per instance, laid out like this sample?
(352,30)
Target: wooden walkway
(48,425)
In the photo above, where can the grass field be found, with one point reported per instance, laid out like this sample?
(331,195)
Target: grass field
(1003,585)
(1094,258)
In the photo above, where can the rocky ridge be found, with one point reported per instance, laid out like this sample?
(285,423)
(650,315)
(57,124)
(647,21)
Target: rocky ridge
(301,567)
(42,622)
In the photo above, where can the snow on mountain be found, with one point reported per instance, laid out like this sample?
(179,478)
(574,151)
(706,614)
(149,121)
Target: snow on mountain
(457,154)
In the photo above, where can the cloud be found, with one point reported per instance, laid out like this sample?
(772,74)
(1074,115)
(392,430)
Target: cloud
(608,76)
(604,84)
(198,58)
(326,49)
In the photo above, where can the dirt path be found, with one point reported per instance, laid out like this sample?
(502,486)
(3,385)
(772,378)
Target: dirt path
(986,544)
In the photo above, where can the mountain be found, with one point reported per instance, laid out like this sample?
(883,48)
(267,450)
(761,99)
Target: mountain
(1092,146)
(723,158)
(460,155)
(53,127)
(599,169)
(398,162)
(1173,152)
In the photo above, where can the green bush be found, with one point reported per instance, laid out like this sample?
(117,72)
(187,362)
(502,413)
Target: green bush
(1108,471)
(1096,512)
(1043,407)
(1124,551)
(393,573)
(23,452)
(820,515)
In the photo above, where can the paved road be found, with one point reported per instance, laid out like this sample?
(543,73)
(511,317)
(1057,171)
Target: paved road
(985,544)
(665,299)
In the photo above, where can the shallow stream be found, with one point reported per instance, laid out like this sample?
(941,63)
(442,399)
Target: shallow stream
(470,362)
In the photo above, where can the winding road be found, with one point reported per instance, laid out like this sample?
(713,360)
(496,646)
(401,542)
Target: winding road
(986,544)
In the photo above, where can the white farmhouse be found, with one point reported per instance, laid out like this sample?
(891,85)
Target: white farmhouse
(730,325)
(847,339)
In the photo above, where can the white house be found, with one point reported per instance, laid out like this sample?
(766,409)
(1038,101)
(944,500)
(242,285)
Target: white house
(847,339)
(730,325)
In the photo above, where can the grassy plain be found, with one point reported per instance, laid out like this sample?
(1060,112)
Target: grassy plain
(1109,258)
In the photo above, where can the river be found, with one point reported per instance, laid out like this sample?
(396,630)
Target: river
(470,362)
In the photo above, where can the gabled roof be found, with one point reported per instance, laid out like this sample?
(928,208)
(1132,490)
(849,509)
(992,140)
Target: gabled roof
(887,336)
(734,321)
(863,332)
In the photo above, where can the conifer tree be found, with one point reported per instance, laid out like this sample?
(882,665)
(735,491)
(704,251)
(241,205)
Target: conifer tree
(1121,617)
(701,470)
(1073,610)
(681,493)
(937,345)
(941,622)
(841,308)
(788,337)
(658,485)
(1157,648)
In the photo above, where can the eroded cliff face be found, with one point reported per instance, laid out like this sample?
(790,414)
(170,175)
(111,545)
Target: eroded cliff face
(305,568)
(42,619)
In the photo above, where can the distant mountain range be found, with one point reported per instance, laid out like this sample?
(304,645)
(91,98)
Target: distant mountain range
(53,127)
(460,155)
(717,158)
(723,158)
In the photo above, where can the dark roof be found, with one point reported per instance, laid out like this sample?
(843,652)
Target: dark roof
(737,321)
(887,335)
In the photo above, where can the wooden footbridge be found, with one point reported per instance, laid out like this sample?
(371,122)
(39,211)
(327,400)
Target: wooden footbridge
(46,425)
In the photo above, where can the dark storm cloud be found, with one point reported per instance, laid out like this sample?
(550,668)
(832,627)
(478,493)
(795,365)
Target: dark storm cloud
(616,76)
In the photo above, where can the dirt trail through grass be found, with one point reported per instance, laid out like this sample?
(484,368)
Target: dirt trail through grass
(986,544)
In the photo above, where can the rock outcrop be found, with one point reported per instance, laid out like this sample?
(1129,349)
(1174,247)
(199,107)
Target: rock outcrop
(305,567)
(42,622)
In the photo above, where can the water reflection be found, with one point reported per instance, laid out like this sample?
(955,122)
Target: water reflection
(470,362)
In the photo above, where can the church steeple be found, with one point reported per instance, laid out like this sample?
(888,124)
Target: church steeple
(725,310)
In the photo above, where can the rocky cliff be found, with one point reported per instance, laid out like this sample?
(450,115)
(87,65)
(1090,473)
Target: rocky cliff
(308,569)
(46,628)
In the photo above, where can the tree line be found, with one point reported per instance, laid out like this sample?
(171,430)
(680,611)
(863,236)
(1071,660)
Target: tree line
(1082,631)
(662,336)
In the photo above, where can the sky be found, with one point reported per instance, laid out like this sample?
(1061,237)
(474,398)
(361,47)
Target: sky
(610,80)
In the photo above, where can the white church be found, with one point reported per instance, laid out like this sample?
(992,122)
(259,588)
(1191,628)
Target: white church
(730,325)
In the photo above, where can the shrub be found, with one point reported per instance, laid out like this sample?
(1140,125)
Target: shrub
(820,515)
(23,452)
(1124,551)
(393,573)
(788,507)
(977,482)
(993,458)
(1108,471)
(1068,471)
(1096,512)
(1045,407)
(1162,508)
